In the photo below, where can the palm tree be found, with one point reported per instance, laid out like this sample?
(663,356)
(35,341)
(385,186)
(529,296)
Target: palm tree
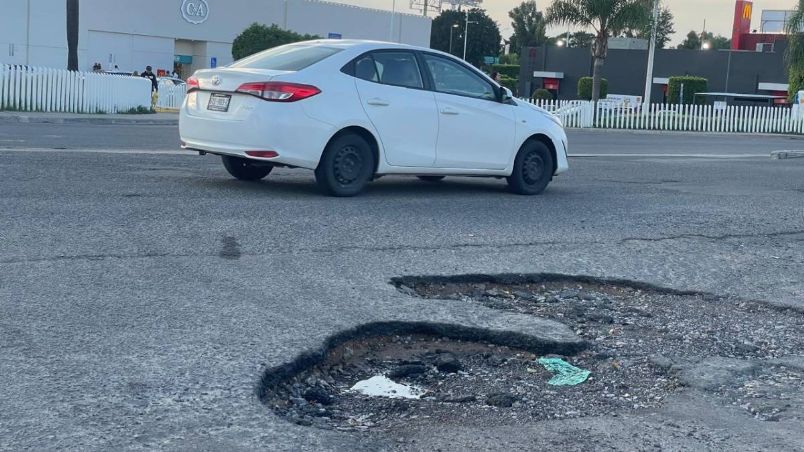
(72,35)
(606,17)
(795,49)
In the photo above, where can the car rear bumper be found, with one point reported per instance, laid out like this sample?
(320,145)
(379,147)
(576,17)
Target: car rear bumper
(283,128)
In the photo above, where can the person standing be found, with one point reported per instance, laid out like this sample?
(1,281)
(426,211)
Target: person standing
(148,73)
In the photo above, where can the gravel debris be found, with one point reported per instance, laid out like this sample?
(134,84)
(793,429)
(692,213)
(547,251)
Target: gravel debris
(644,346)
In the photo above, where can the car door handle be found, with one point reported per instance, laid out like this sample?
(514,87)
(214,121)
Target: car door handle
(376,101)
(449,111)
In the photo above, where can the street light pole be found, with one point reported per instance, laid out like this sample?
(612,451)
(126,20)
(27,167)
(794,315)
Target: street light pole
(451,30)
(651,54)
(466,34)
(391,29)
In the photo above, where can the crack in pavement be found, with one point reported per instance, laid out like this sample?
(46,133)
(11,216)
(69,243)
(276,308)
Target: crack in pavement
(336,249)
(710,237)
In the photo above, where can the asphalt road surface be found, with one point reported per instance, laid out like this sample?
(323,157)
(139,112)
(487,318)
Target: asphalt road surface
(142,295)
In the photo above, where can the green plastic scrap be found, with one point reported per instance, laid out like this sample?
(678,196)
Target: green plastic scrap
(565,373)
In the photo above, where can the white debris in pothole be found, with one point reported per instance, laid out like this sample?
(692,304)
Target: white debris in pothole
(382,386)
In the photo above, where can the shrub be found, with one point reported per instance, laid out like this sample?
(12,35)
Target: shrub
(507,70)
(585,88)
(257,38)
(796,80)
(542,94)
(511,58)
(691,84)
(510,83)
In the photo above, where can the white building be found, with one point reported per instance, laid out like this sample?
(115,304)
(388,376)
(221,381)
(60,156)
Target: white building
(192,34)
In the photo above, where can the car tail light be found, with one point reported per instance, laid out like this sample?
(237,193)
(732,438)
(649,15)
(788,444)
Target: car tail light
(279,91)
(192,83)
(262,154)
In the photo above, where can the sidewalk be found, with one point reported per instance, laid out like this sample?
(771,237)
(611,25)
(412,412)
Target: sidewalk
(166,119)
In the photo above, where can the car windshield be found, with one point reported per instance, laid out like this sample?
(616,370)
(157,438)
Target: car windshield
(286,58)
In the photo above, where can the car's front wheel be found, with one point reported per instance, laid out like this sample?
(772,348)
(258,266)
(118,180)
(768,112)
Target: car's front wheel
(346,166)
(533,169)
(244,169)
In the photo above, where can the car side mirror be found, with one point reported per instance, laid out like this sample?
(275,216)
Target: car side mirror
(506,95)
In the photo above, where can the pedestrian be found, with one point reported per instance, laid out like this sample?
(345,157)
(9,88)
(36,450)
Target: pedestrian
(148,73)
(495,76)
(174,74)
(135,74)
(116,69)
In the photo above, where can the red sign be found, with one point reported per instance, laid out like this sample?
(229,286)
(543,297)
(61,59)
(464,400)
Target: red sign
(551,83)
(743,9)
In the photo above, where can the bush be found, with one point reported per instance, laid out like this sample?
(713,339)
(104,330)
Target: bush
(511,58)
(691,84)
(542,94)
(507,70)
(257,38)
(510,83)
(796,80)
(585,88)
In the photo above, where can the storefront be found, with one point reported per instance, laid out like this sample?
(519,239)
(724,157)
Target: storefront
(184,35)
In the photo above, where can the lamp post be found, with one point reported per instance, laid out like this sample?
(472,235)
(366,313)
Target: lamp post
(651,54)
(466,34)
(451,30)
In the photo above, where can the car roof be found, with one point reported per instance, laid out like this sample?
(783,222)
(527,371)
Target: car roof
(366,45)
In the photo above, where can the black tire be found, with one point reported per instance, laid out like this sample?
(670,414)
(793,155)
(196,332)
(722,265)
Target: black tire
(346,166)
(533,169)
(244,169)
(432,178)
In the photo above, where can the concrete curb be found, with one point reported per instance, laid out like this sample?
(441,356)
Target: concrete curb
(24,119)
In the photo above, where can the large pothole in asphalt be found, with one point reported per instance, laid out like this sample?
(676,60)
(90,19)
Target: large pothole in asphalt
(644,344)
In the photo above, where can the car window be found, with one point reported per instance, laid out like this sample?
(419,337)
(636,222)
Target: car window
(397,69)
(452,78)
(366,69)
(294,57)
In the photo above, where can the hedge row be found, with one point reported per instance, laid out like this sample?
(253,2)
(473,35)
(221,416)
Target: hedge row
(691,84)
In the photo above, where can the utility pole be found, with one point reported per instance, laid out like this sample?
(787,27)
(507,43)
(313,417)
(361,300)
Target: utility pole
(651,54)
(466,34)
(425,7)
(391,29)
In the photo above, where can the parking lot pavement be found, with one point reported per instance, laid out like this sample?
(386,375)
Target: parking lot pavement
(143,295)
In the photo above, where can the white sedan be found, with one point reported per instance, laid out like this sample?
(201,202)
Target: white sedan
(355,110)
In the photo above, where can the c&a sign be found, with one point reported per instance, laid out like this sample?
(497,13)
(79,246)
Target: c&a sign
(195,11)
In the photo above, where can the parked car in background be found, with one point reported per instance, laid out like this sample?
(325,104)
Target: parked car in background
(173,80)
(355,110)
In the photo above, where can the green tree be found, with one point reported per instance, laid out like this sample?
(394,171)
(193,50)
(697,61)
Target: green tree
(607,18)
(484,35)
(529,26)
(258,37)
(72,35)
(692,41)
(581,39)
(794,56)
(664,29)
(695,41)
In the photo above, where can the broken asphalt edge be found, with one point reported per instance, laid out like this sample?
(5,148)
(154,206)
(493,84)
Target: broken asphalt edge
(411,281)
(519,339)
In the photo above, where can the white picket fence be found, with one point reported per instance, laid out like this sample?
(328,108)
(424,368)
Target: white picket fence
(693,118)
(171,96)
(25,88)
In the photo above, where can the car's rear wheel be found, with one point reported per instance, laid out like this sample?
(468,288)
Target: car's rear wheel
(533,169)
(432,178)
(244,169)
(346,166)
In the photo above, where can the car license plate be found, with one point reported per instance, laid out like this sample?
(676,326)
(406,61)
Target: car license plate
(219,102)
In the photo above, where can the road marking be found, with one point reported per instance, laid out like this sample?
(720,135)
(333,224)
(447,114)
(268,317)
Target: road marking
(104,151)
(697,156)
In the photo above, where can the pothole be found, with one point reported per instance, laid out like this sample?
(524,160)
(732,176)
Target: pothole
(749,353)
(643,345)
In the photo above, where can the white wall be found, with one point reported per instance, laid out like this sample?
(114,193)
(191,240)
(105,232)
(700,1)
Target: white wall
(151,24)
